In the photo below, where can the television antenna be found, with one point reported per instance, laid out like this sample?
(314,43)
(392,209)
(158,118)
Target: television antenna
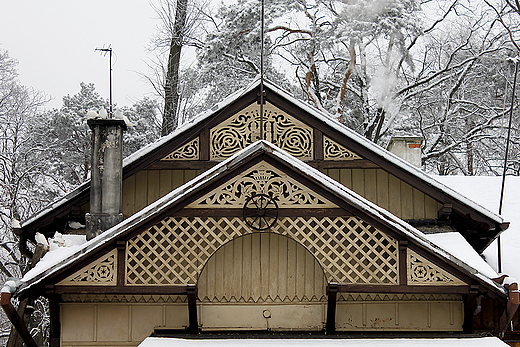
(104,51)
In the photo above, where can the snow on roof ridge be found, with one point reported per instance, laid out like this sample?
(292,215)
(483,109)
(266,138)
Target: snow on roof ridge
(34,277)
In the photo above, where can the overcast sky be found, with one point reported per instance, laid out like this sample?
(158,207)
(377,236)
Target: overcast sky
(54,44)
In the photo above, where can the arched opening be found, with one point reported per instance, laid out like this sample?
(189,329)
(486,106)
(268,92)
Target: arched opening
(262,281)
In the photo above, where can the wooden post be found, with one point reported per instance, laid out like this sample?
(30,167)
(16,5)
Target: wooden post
(470,301)
(54,310)
(332,291)
(403,263)
(193,328)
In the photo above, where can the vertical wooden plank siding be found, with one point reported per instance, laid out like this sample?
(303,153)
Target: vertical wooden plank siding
(358,181)
(406,201)
(418,204)
(382,188)
(394,195)
(371,186)
(223,281)
(165,182)
(333,173)
(141,190)
(147,186)
(345,177)
(153,186)
(129,196)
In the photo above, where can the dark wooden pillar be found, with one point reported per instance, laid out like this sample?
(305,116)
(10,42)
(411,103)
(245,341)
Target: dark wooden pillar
(470,301)
(332,291)
(54,312)
(193,328)
(403,263)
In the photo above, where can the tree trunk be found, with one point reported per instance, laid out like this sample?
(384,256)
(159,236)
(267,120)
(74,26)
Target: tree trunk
(171,87)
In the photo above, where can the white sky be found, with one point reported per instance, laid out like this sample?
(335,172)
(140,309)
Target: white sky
(54,44)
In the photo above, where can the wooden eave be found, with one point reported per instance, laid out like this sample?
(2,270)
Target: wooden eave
(179,209)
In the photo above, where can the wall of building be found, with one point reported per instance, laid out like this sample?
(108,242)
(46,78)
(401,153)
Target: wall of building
(147,186)
(388,192)
(117,324)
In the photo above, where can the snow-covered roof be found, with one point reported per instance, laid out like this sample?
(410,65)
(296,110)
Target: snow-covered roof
(409,342)
(320,116)
(44,269)
(488,194)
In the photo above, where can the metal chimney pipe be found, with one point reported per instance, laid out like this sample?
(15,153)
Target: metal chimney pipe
(106,179)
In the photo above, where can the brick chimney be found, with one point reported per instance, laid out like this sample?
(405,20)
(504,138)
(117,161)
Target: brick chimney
(106,179)
(407,148)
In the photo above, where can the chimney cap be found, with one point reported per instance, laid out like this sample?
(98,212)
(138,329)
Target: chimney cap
(106,122)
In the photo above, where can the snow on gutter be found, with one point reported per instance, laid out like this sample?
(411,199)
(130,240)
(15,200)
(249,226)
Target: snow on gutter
(38,274)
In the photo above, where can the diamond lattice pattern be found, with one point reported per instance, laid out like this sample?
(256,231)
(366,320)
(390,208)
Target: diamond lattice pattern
(175,250)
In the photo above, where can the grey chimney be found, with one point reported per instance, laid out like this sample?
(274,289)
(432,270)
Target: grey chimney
(106,179)
(407,148)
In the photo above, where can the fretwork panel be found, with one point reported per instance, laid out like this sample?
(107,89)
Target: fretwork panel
(175,250)
(243,129)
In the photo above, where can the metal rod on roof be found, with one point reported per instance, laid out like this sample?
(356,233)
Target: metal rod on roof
(505,161)
(262,73)
(105,51)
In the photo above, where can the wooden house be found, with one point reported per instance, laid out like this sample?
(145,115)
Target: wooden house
(277,220)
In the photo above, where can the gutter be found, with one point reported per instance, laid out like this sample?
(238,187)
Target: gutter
(14,317)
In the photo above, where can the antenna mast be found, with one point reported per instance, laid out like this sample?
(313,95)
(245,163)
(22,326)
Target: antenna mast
(104,52)
(262,73)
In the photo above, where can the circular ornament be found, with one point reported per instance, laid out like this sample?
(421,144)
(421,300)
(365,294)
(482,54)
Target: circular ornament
(260,211)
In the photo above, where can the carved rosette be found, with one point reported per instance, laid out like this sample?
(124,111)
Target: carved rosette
(243,129)
(334,151)
(100,272)
(422,271)
(262,179)
(189,151)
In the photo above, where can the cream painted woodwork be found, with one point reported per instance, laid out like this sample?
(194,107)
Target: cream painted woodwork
(422,271)
(175,250)
(147,186)
(243,129)
(261,267)
(189,151)
(262,281)
(262,178)
(102,272)
(117,324)
(373,312)
(250,316)
(334,151)
(388,192)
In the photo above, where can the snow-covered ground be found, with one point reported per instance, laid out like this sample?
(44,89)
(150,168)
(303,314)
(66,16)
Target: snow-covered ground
(485,191)
(463,342)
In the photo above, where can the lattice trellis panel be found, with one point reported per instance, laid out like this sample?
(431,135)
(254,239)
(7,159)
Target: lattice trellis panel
(243,129)
(266,179)
(334,151)
(175,250)
(101,272)
(189,151)
(422,271)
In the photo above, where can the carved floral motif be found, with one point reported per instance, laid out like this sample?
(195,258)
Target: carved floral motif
(422,271)
(243,129)
(262,179)
(334,151)
(189,151)
(100,272)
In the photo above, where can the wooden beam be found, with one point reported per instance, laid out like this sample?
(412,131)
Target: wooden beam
(193,328)
(55,323)
(401,289)
(470,301)
(332,291)
(144,290)
(403,263)
(121,262)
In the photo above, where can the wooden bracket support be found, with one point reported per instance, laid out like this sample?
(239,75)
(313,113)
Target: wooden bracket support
(445,212)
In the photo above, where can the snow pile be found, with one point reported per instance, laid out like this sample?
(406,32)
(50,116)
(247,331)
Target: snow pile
(485,190)
(60,247)
(452,342)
